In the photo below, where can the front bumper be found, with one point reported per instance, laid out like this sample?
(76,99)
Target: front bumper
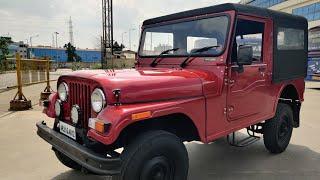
(90,160)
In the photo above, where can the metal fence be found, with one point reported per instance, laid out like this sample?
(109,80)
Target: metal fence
(30,71)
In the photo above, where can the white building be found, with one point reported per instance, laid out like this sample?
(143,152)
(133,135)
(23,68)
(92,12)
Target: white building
(19,47)
(307,8)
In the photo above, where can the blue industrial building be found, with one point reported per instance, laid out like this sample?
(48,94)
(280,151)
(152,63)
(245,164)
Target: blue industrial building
(60,55)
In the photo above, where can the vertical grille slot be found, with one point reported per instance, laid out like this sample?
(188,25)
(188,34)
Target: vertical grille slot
(80,95)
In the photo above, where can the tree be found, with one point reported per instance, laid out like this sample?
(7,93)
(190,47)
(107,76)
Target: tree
(4,43)
(71,53)
(4,51)
(117,47)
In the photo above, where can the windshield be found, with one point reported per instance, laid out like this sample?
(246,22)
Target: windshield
(187,36)
(314,40)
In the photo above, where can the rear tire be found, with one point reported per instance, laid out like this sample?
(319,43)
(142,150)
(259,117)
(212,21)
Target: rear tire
(67,161)
(155,155)
(278,130)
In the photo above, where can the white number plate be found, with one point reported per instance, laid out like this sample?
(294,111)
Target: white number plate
(68,130)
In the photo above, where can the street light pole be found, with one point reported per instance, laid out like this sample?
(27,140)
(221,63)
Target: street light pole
(31,49)
(122,36)
(56,33)
(53,43)
(132,29)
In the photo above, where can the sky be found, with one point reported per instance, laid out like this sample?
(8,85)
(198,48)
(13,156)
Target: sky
(39,19)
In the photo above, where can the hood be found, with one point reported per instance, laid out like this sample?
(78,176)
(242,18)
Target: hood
(145,85)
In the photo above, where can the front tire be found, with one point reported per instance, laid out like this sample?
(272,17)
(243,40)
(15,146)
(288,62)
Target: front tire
(67,161)
(278,130)
(155,155)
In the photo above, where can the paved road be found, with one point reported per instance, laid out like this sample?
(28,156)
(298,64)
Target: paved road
(25,156)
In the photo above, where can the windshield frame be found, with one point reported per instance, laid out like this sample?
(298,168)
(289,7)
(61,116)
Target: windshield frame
(189,19)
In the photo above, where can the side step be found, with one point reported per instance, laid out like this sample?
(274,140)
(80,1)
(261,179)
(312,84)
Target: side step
(252,138)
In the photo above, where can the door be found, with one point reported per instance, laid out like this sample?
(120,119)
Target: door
(247,90)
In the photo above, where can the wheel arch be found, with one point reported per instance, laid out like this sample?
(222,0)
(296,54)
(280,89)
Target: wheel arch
(178,123)
(289,95)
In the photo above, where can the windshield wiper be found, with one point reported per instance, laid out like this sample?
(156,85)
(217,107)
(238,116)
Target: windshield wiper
(201,50)
(155,62)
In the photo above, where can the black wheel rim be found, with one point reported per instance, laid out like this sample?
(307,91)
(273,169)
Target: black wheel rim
(158,168)
(284,128)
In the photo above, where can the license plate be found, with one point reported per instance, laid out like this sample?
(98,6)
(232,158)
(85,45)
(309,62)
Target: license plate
(316,78)
(68,130)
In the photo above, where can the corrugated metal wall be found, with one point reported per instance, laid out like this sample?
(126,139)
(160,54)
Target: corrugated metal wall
(60,55)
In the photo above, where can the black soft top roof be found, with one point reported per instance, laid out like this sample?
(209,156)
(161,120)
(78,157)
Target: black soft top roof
(275,15)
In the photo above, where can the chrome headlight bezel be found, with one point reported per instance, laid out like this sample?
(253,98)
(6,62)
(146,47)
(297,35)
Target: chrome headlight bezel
(63,91)
(75,114)
(58,108)
(98,100)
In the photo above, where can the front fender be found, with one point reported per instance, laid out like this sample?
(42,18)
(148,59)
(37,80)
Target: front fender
(121,116)
(50,111)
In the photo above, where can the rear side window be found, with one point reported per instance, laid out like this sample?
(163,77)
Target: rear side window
(290,39)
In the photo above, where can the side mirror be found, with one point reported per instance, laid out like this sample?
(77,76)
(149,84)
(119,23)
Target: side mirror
(245,55)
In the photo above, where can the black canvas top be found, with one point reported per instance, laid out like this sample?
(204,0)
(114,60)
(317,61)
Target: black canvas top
(227,7)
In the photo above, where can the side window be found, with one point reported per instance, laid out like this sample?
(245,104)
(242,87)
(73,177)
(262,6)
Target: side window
(290,39)
(253,40)
(249,33)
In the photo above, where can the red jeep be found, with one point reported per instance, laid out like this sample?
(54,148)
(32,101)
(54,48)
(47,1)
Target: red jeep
(200,75)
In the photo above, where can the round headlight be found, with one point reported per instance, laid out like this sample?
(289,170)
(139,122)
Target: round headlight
(57,108)
(63,91)
(98,100)
(75,111)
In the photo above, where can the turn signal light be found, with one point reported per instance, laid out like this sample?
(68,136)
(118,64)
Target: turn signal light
(98,125)
(142,115)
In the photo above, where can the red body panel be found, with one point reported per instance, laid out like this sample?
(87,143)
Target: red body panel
(144,85)
(217,99)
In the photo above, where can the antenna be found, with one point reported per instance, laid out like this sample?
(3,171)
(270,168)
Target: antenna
(71,32)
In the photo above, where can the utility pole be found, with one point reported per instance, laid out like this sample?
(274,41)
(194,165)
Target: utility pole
(107,33)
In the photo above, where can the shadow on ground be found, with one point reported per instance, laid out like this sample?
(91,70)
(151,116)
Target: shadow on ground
(218,160)
(315,89)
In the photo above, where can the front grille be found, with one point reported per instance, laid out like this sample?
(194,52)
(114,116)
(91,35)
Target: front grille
(80,94)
